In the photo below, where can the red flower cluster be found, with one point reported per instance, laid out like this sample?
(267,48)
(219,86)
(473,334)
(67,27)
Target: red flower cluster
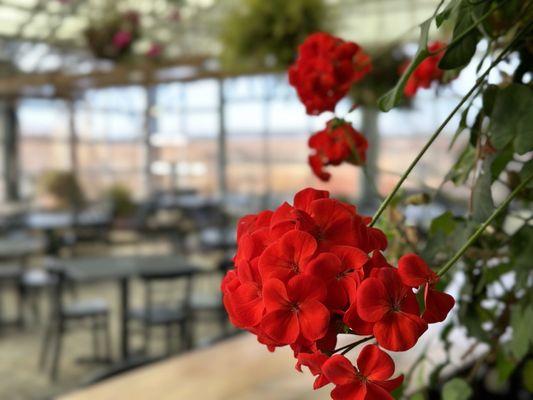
(337,143)
(427,72)
(325,69)
(306,272)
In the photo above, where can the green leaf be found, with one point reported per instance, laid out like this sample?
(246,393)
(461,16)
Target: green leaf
(520,322)
(418,396)
(391,99)
(489,97)
(456,389)
(443,223)
(446,13)
(461,127)
(461,52)
(500,162)
(512,119)
(526,172)
(464,165)
(504,365)
(527,376)
(482,202)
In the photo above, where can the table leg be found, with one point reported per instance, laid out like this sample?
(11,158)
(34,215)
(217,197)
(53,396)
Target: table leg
(124,327)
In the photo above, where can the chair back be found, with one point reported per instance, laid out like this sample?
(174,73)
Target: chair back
(167,289)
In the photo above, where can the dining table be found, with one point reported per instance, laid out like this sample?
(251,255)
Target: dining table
(238,368)
(122,269)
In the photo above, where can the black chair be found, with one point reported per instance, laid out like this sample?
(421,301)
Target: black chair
(206,299)
(63,315)
(10,279)
(166,305)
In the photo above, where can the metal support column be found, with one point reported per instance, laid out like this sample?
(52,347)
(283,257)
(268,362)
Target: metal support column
(150,126)
(221,145)
(73,138)
(10,135)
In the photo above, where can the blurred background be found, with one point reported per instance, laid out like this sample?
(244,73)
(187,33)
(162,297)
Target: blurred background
(134,134)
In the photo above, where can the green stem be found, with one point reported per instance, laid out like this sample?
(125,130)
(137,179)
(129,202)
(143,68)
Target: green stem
(348,347)
(480,230)
(478,83)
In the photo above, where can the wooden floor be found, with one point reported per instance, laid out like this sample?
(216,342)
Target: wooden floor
(236,369)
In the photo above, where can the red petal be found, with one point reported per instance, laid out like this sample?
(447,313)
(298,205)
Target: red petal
(372,300)
(287,256)
(351,257)
(353,391)
(275,295)
(376,392)
(314,320)
(399,331)
(282,326)
(374,363)
(414,271)
(306,287)
(324,267)
(438,305)
(356,324)
(391,384)
(339,370)
(304,197)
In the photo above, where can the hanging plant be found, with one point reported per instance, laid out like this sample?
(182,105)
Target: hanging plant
(261,34)
(112,37)
(62,189)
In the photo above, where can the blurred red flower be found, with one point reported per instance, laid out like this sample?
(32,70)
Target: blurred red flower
(339,142)
(325,69)
(427,72)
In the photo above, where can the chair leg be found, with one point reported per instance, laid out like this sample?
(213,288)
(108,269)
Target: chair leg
(106,328)
(185,335)
(147,334)
(168,336)
(57,353)
(45,346)
(96,340)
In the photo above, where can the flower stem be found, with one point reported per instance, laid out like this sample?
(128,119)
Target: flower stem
(480,230)
(478,83)
(348,347)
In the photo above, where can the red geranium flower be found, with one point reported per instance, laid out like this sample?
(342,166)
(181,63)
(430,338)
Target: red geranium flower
(287,256)
(427,72)
(369,381)
(341,271)
(384,300)
(414,272)
(339,142)
(325,69)
(314,362)
(295,309)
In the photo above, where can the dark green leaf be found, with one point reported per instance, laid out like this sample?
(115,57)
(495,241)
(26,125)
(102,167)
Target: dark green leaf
(500,162)
(475,130)
(482,203)
(461,52)
(512,119)
(489,96)
(527,376)
(526,172)
(456,389)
